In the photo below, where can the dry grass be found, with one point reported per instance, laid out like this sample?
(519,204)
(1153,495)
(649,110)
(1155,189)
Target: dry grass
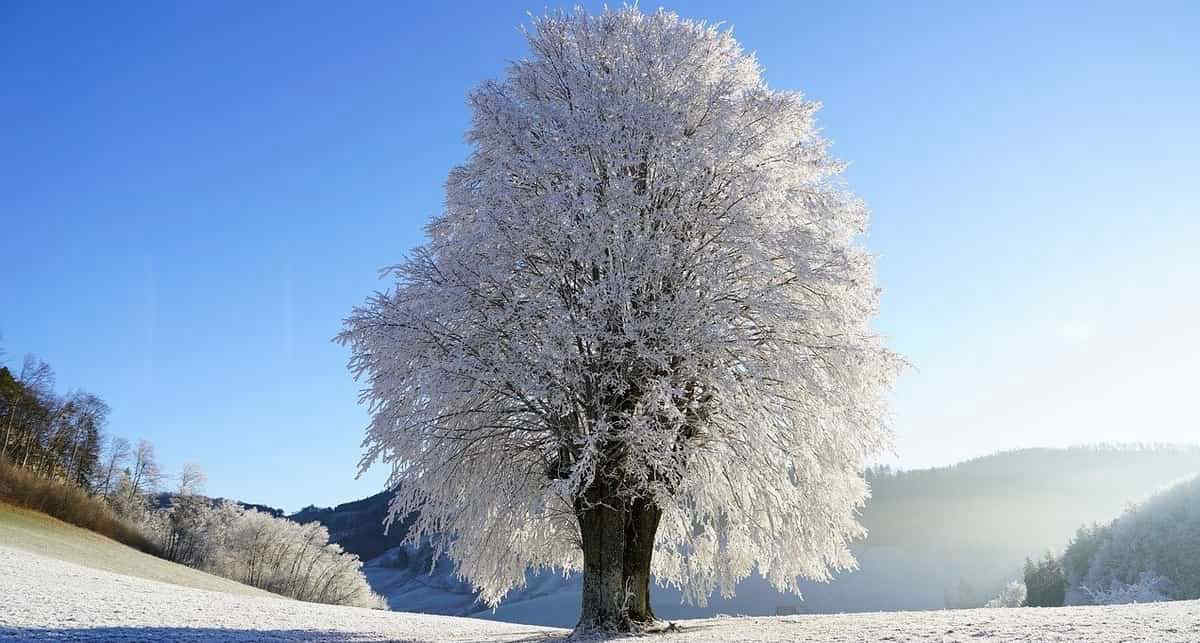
(69,504)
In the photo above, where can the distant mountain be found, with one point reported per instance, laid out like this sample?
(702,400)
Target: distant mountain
(357,526)
(1027,499)
(942,537)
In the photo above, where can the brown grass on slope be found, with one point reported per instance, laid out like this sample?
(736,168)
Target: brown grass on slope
(69,504)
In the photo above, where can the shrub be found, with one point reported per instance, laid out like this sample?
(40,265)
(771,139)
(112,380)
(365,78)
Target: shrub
(263,551)
(1149,588)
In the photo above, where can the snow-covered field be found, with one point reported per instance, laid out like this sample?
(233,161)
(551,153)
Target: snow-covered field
(45,598)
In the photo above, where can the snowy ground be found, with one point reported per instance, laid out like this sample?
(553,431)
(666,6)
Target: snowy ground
(45,598)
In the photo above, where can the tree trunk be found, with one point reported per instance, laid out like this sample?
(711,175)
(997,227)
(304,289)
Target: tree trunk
(602,528)
(11,415)
(641,526)
(618,543)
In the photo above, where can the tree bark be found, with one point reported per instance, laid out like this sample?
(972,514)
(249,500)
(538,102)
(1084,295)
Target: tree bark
(602,529)
(641,526)
(618,543)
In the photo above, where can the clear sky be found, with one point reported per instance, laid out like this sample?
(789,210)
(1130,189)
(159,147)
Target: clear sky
(193,195)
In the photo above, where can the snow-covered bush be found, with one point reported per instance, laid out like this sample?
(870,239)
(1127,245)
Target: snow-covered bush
(1013,595)
(295,560)
(258,549)
(1149,588)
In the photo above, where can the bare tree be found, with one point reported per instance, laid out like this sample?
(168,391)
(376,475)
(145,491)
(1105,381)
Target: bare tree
(191,480)
(79,451)
(145,477)
(29,398)
(116,454)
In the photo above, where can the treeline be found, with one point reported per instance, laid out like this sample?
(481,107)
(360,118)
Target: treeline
(58,458)
(64,438)
(53,436)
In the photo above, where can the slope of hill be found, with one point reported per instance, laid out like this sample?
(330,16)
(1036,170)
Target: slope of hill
(943,537)
(48,599)
(36,533)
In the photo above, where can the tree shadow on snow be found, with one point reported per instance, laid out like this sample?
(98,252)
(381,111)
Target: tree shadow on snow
(129,634)
(137,634)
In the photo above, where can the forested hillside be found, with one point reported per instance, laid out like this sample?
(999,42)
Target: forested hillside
(1151,552)
(358,525)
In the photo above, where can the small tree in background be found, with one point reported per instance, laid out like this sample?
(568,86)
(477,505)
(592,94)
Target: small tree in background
(1013,595)
(1045,582)
(637,339)
(144,477)
(191,480)
(114,456)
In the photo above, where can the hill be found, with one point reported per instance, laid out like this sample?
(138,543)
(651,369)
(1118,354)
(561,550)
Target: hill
(39,534)
(1030,498)
(1150,552)
(942,537)
(358,525)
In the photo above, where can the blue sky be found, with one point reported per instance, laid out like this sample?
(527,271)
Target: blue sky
(193,195)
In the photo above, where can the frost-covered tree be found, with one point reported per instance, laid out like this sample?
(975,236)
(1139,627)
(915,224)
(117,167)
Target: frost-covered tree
(255,548)
(1013,595)
(1149,588)
(637,338)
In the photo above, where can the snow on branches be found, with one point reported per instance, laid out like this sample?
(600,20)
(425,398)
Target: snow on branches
(648,274)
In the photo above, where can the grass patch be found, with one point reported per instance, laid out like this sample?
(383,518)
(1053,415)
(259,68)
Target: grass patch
(21,488)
